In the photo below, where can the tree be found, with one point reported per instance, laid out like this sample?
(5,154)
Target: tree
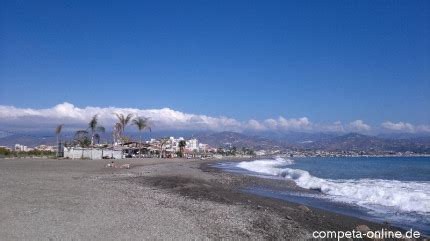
(233,150)
(5,152)
(182,144)
(141,123)
(94,128)
(81,138)
(117,132)
(58,135)
(163,142)
(123,120)
(121,124)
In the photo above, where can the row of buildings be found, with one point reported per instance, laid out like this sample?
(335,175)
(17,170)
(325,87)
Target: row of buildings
(24,148)
(165,147)
(172,145)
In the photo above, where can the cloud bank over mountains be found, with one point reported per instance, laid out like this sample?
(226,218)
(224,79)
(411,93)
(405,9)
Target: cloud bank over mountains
(168,119)
(405,127)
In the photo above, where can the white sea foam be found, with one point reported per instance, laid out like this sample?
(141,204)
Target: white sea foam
(376,194)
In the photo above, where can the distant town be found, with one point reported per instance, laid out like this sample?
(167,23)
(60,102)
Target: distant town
(173,147)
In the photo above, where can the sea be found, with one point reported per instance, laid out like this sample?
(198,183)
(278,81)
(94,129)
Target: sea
(380,189)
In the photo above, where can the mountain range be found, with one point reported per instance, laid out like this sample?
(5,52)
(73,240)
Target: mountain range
(318,141)
(265,140)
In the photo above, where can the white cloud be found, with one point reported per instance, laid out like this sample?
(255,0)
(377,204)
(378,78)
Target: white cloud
(359,125)
(405,127)
(399,126)
(164,118)
(294,124)
(256,125)
(168,119)
(271,123)
(423,128)
(68,113)
(288,124)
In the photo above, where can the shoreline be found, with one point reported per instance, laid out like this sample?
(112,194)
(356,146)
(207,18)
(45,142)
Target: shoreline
(225,188)
(291,192)
(154,199)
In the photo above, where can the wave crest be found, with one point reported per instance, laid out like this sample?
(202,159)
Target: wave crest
(376,194)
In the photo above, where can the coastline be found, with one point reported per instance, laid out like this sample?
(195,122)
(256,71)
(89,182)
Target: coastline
(154,199)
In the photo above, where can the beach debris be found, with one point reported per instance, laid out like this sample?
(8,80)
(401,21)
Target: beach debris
(362,228)
(304,208)
(126,166)
(288,217)
(115,165)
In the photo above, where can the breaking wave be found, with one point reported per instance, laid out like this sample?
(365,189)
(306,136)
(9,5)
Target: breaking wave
(375,194)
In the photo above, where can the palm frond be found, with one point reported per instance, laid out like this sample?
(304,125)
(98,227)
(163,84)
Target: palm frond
(117,115)
(80,133)
(128,118)
(58,129)
(141,123)
(124,120)
(93,123)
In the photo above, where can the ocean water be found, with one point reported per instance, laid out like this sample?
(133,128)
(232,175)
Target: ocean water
(393,189)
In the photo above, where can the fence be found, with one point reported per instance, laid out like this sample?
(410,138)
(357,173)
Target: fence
(88,153)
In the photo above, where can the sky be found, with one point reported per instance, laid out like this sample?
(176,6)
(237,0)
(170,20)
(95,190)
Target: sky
(225,65)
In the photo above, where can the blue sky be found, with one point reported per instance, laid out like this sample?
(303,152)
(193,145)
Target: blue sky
(324,60)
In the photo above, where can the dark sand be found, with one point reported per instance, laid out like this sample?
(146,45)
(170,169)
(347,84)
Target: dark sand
(155,199)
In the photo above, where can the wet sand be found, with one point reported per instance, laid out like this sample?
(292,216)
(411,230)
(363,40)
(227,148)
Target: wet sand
(155,199)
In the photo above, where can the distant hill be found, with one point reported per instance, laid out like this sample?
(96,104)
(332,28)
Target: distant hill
(296,137)
(359,142)
(321,141)
(226,139)
(30,141)
(264,140)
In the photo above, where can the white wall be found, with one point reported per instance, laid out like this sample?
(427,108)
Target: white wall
(76,153)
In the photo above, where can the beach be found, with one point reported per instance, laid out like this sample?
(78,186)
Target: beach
(154,199)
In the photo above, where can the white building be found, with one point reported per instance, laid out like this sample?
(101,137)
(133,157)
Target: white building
(261,153)
(173,144)
(192,145)
(152,141)
(203,147)
(46,148)
(19,147)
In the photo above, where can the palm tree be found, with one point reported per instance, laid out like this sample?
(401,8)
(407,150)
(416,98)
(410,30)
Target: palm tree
(163,142)
(81,138)
(94,128)
(58,134)
(141,124)
(117,132)
(123,120)
(182,144)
